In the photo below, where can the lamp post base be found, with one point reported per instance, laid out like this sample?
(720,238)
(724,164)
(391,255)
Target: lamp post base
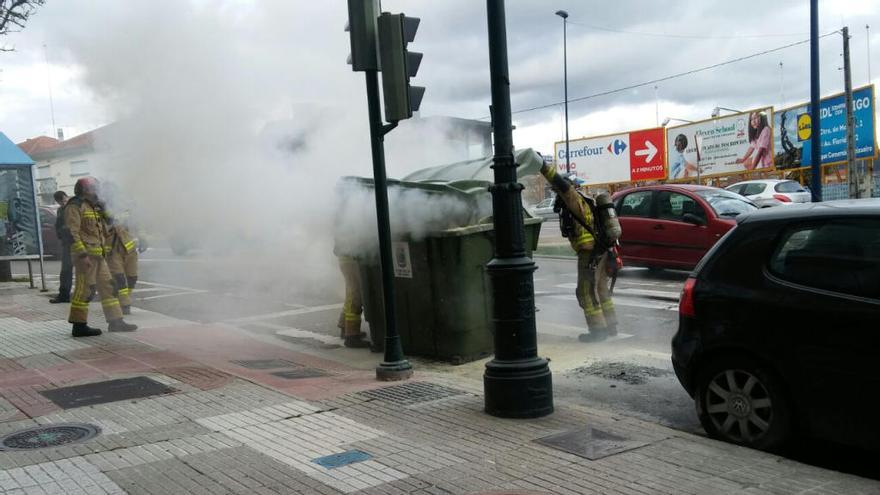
(393,372)
(518,389)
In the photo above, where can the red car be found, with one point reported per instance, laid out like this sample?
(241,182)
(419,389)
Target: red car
(673,226)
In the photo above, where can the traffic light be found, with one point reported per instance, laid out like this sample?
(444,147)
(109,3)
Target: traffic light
(398,65)
(361,25)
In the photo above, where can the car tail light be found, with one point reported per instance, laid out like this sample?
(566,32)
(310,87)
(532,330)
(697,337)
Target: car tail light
(782,197)
(686,302)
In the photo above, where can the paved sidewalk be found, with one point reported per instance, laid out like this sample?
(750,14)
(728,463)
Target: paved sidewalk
(226,412)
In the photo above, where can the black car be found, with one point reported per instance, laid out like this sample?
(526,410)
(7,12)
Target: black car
(779,330)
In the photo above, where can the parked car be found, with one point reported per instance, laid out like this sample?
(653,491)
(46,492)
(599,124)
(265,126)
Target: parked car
(673,226)
(772,192)
(51,243)
(778,329)
(544,209)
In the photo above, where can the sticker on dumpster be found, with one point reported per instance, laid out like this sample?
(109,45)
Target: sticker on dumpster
(402,264)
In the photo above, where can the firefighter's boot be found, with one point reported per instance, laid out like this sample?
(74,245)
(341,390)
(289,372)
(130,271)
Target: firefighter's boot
(121,326)
(594,336)
(356,342)
(84,330)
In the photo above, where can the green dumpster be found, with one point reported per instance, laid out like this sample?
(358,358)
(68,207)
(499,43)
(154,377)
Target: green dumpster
(442,290)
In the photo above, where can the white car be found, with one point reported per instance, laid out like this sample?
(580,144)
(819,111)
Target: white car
(771,192)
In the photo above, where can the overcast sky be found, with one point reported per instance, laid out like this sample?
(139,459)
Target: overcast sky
(108,57)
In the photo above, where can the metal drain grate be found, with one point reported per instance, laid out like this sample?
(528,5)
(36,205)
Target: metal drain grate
(300,373)
(49,436)
(265,364)
(590,443)
(107,391)
(411,393)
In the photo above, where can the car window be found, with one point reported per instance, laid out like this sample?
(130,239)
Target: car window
(545,204)
(753,188)
(736,188)
(726,203)
(636,204)
(838,255)
(789,186)
(673,206)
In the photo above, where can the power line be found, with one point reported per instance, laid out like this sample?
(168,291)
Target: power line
(687,36)
(666,78)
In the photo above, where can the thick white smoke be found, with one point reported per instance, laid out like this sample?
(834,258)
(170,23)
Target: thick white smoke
(232,129)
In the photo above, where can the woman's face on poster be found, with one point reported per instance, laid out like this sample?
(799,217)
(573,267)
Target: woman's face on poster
(755,119)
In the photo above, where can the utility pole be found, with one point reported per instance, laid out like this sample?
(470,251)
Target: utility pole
(516,383)
(815,124)
(852,172)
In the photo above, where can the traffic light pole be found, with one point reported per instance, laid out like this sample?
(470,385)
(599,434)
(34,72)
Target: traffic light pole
(517,383)
(394,366)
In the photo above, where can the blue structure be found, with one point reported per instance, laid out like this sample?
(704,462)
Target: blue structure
(20,232)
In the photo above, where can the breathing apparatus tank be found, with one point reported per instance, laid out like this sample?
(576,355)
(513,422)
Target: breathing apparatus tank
(608,217)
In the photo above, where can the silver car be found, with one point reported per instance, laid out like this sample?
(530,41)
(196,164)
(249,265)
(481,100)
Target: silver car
(771,192)
(544,209)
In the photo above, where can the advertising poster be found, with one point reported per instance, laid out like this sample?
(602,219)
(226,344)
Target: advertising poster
(723,145)
(625,157)
(792,130)
(18,213)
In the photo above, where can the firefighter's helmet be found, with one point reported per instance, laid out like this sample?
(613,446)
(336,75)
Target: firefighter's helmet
(86,185)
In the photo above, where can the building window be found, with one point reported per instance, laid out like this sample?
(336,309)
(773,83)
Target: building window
(44,172)
(79,167)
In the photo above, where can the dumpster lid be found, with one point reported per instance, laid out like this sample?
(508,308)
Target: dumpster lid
(528,163)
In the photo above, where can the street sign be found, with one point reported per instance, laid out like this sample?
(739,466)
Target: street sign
(630,156)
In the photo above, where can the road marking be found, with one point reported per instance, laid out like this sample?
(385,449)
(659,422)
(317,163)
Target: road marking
(162,296)
(169,286)
(299,333)
(279,314)
(660,294)
(630,302)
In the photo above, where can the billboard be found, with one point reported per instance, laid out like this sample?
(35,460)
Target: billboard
(722,145)
(792,130)
(19,225)
(624,157)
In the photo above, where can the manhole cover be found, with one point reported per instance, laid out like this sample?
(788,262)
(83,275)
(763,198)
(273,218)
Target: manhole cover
(300,373)
(590,443)
(108,391)
(265,364)
(49,436)
(411,393)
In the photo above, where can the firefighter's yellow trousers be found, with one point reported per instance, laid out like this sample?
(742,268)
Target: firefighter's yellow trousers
(350,319)
(124,269)
(593,292)
(92,268)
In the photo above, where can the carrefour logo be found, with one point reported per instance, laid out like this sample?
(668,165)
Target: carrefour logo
(617,147)
(584,151)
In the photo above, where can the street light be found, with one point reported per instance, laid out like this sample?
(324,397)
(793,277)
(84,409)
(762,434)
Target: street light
(717,111)
(564,15)
(667,120)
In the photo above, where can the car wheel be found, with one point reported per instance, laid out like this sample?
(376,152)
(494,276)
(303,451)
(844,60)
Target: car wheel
(743,402)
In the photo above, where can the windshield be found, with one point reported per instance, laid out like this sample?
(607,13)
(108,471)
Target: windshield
(726,203)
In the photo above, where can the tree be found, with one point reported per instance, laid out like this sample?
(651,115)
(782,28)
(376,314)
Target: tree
(13,16)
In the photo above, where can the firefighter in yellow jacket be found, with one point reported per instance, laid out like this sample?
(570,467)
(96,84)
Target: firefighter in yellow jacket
(593,292)
(122,260)
(90,243)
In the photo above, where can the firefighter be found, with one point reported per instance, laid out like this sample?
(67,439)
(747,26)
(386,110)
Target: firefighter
(122,259)
(593,292)
(88,249)
(345,247)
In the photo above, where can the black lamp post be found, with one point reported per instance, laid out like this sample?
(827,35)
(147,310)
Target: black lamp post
(564,15)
